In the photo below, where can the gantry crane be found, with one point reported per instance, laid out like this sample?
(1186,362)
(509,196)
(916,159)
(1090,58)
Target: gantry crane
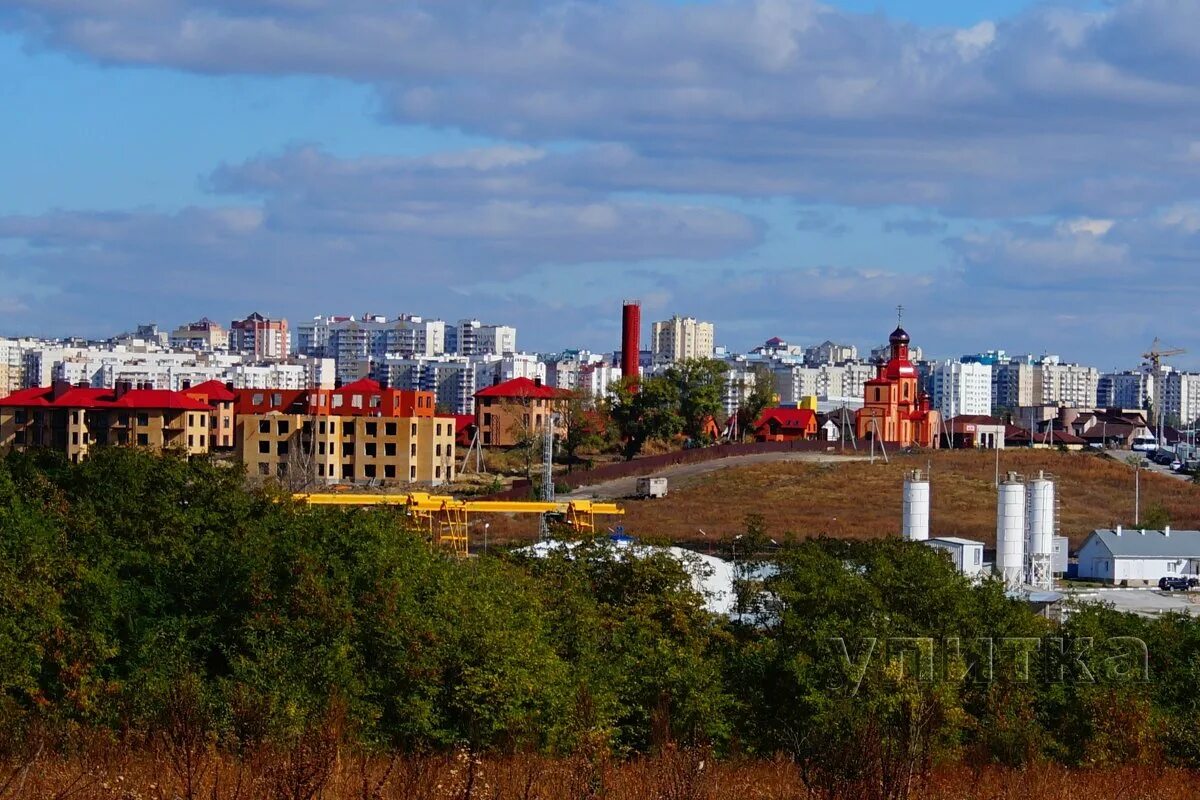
(445,518)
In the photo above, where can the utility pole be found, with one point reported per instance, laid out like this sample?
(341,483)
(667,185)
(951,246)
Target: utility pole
(547,473)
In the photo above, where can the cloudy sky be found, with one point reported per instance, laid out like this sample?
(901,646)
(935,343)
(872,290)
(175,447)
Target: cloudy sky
(1017,175)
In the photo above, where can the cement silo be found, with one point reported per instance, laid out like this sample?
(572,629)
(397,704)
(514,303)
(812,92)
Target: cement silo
(1039,506)
(1010,531)
(916,507)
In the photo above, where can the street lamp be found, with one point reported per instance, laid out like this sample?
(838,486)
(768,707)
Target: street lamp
(486,525)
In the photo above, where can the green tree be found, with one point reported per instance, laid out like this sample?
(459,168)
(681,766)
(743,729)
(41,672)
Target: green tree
(588,427)
(761,396)
(700,387)
(645,411)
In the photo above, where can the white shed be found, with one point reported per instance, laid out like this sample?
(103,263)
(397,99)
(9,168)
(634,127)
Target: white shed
(1139,557)
(966,554)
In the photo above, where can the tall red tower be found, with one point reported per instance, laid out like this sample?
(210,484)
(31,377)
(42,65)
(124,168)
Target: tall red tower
(631,339)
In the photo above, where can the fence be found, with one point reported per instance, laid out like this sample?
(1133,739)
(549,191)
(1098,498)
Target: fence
(652,464)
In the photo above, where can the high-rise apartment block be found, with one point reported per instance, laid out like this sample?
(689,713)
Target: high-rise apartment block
(260,337)
(681,338)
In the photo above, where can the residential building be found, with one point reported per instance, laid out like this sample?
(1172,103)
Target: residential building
(203,335)
(359,433)
(76,419)
(1180,397)
(260,337)
(894,409)
(1012,384)
(681,338)
(960,388)
(1129,389)
(975,430)
(829,352)
(220,400)
(834,384)
(785,424)
(1139,557)
(1072,385)
(511,412)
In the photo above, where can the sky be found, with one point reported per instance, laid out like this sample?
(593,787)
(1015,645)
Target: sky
(1017,175)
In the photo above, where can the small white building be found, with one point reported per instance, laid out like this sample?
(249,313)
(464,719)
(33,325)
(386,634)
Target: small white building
(1139,557)
(965,554)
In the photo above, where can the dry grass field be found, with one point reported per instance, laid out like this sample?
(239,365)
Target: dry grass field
(333,774)
(862,500)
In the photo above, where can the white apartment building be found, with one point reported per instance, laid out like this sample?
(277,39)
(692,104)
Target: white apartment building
(469,337)
(957,388)
(1130,389)
(846,381)
(1070,385)
(597,379)
(359,345)
(1012,384)
(829,352)
(302,373)
(493,368)
(681,338)
(1181,396)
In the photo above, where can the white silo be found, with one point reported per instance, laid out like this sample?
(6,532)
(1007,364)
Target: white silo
(916,507)
(1040,530)
(1010,531)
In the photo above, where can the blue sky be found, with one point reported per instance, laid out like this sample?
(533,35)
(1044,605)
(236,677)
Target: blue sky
(780,167)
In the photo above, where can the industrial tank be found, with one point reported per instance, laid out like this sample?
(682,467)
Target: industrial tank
(1010,531)
(1040,530)
(916,507)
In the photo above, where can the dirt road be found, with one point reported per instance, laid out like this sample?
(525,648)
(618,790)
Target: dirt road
(680,473)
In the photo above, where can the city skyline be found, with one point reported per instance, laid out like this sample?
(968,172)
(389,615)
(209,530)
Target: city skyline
(1015,174)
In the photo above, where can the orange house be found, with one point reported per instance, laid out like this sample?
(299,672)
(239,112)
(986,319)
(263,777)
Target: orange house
(894,410)
(785,425)
(221,399)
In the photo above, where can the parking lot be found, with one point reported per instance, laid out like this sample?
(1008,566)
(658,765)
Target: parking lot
(1146,602)
(1123,455)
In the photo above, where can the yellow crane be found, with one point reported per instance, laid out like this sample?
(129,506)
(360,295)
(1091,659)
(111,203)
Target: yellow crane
(1158,352)
(446,517)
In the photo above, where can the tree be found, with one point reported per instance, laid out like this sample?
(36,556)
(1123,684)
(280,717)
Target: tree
(761,397)
(587,428)
(700,387)
(649,410)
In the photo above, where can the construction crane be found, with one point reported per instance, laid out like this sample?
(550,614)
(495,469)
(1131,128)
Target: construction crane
(1158,352)
(446,518)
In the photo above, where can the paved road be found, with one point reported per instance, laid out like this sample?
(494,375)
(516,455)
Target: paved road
(1122,455)
(626,487)
(1146,602)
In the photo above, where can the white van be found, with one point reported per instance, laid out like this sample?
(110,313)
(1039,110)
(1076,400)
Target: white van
(1145,444)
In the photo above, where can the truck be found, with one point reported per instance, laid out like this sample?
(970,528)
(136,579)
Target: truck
(652,487)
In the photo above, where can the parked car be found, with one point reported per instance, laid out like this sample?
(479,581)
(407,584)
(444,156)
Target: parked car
(1175,465)
(1177,584)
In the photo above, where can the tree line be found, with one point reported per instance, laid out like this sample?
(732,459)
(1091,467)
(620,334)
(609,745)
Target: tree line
(138,591)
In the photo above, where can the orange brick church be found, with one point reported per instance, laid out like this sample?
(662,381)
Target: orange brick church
(895,410)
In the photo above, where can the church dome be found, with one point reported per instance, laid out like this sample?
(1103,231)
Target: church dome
(899,336)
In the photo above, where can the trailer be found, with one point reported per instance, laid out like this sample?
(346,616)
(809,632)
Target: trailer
(652,487)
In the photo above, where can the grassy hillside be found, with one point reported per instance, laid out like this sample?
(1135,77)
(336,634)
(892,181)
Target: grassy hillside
(861,500)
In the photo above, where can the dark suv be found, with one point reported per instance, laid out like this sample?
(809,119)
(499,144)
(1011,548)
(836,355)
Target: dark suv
(1179,584)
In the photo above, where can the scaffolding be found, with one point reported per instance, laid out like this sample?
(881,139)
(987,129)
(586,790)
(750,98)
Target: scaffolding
(446,520)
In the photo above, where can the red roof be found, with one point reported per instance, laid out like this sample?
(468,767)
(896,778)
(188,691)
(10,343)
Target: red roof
(788,418)
(214,390)
(523,388)
(463,421)
(86,398)
(361,386)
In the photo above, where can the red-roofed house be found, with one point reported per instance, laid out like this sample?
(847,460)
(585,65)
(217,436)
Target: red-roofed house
(785,425)
(74,419)
(513,410)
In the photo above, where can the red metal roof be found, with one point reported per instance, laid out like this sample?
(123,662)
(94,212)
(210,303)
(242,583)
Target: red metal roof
(463,421)
(214,390)
(522,387)
(788,418)
(94,399)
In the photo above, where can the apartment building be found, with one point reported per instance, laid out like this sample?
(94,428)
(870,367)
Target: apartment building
(510,412)
(1070,385)
(681,338)
(75,419)
(360,433)
(847,381)
(470,337)
(359,345)
(960,389)
(1129,389)
(1012,384)
(260,337)
(1180,397)
(829,352)
(203,335)
(220,400)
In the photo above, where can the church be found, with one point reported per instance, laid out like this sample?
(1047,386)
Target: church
(895,411)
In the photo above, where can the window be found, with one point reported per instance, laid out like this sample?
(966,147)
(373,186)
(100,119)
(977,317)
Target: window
(414,429)
(143,440)
(347,449)
(281,469)
(487,437)
(487,418)
(202,437)
(389,470)
(389,429)
(264,469)
(437,450)
(282,427)
(191,440)
(347,429)
(321,448)
(256,399)
(412,473)
(277,399)
(321,426)
(143,419)
(19,437)
(439,429)
(264,447)
(389,449)
(978,556)
(191,420)
(413,450)
(321,470)
(348,471)
(356,401)
(264,426)
(282,448)
(437,472)
(369,471)
(20,416)
(372,428)
(369,450)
